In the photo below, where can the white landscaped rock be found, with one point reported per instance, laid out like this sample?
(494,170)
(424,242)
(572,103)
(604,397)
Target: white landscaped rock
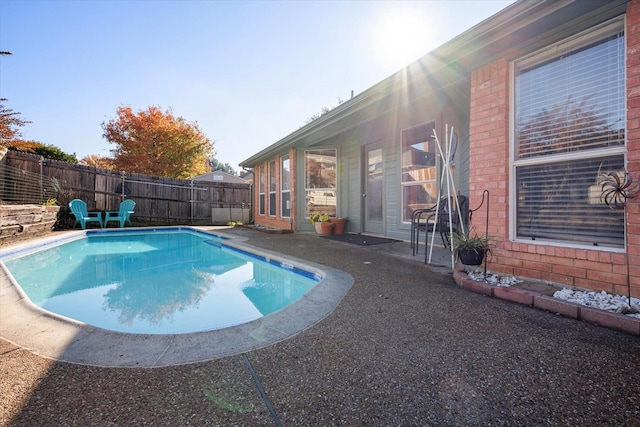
(600,300)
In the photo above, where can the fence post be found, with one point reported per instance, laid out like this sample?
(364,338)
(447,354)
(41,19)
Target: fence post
(41,161)
(122,186)
(191,203)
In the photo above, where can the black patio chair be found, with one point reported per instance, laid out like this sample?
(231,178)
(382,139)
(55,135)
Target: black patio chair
(420,221)
(426,220)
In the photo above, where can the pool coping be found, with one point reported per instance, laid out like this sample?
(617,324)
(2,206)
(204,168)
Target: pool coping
(56,337)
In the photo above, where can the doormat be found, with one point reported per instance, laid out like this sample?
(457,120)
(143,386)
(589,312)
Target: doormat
(359,239)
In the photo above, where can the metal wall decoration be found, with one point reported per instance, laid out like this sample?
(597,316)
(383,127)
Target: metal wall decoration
(616,190)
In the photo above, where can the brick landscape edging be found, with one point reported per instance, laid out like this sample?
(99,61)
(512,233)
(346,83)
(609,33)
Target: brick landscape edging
(618,322)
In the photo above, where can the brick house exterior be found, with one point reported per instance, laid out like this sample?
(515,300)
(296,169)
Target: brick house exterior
(470,84)
(489,168)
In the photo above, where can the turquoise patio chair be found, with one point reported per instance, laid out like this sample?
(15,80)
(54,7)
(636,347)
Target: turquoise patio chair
(79,210)
(123,215)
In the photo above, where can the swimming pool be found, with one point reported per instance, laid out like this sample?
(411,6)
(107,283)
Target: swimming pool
(56,337)
(156,281)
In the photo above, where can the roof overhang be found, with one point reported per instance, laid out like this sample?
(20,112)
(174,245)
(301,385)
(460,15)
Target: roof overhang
(522,27)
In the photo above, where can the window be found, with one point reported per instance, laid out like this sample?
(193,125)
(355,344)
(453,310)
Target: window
(419,169)
(272,188)
(569,130)
(320,181)
(285,184)
(261,200)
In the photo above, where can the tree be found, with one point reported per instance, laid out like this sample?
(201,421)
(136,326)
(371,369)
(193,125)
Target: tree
(47,151)
(325,110)
(10,124)
(96,161)
(21,145)
(156,143)
(218,165)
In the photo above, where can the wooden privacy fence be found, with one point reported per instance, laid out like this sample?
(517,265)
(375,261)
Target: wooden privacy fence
(158,200)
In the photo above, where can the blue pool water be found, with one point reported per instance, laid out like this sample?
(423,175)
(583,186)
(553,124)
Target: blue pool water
(157,282)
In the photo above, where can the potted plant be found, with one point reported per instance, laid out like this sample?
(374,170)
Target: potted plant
(322,224)
(338,225)
(471,249)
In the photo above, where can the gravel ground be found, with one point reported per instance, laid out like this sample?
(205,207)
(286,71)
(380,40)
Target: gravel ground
(406,347)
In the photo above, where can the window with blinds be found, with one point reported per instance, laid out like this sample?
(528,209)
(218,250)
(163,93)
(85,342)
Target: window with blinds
(272,188)
(285,184)
(569,130)
(261,184)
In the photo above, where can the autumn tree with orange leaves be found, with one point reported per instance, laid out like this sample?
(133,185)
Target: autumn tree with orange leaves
(10,124)
(157,143)
(96,161)
(47,151)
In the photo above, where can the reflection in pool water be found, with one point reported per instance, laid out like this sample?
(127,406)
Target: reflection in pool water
(157,282)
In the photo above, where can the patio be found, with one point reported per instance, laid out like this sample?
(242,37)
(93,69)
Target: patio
(406,346)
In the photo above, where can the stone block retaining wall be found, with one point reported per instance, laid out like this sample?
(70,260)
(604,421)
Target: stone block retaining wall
(20,222)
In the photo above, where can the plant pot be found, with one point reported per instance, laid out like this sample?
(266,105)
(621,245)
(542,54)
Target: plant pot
(338,225)
(324,228)
(471,256)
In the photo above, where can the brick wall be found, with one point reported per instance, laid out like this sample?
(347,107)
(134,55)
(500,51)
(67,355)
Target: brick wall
(489,169)
(633,139)
(489,157)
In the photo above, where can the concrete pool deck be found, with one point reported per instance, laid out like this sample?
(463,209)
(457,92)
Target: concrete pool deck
(67,340)
(405,346)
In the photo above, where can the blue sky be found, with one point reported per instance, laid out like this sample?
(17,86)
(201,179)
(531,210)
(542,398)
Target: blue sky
(249,73)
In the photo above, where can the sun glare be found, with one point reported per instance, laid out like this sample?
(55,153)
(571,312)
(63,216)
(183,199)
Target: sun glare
(402,36)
